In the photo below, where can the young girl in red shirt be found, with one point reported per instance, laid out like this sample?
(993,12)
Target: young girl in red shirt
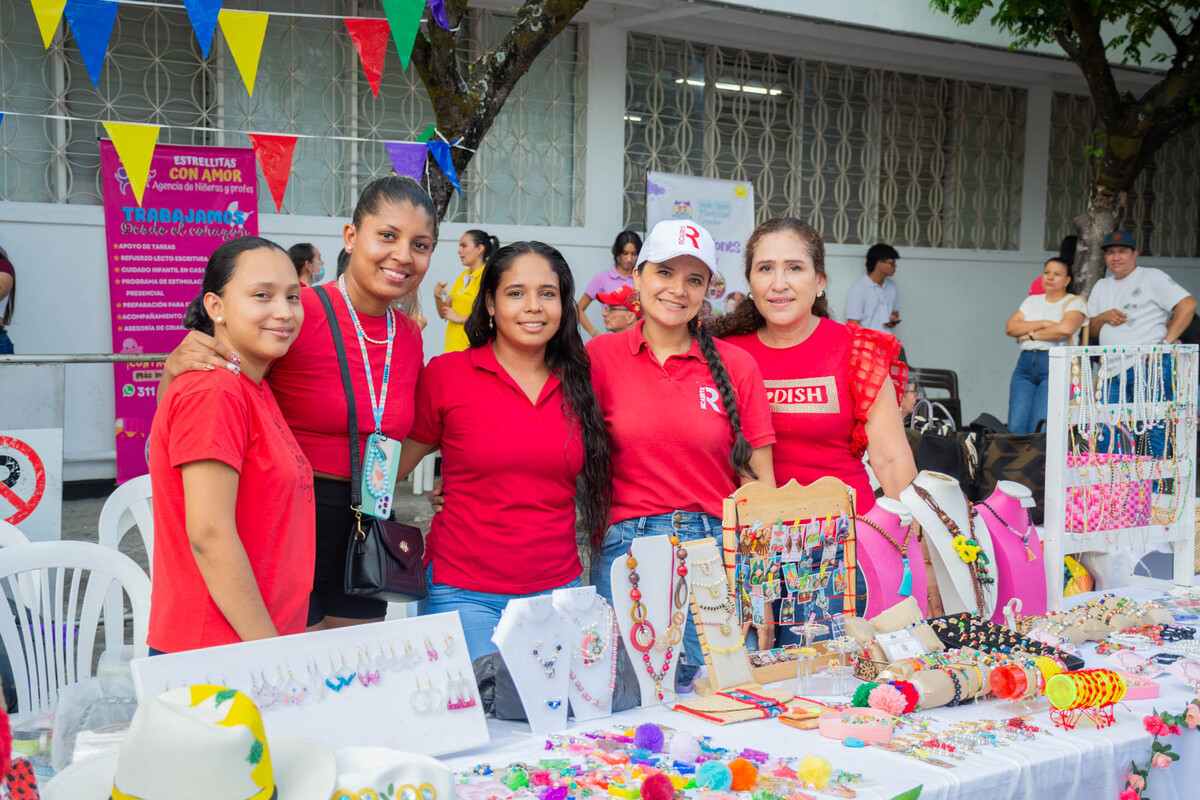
(233,498)
(390,241)
(519,428)
(687,415)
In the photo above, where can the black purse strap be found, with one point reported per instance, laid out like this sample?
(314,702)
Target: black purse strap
(335,329)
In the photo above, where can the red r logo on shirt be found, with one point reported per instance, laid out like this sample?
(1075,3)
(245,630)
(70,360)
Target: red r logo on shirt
(710,399)
(691,234)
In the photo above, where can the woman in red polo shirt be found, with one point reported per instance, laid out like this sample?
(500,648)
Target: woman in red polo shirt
(390,241)
(831,397)
(687,415)
(233,496)
(517,424)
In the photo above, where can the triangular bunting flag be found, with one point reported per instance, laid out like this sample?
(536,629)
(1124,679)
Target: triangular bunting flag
(427,134)
(244,33)
(275,160)
(912,794)
(203,14)
(134,144)
(91,24)
(48,14)
(405,19)
(441,154)
(370,37)
(437,8)
(408,158)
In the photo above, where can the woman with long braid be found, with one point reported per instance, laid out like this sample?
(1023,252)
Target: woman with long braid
(687,416)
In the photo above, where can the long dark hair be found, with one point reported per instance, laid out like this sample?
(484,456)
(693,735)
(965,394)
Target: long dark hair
(624,238)
(6,320)
(1067,265)
(568,359)
(219,271)
(489,243)
(745,318)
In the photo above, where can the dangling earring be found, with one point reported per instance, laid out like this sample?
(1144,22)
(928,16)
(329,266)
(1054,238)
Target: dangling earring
(491,322)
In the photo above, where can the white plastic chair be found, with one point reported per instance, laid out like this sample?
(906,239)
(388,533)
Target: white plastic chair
(51,644)
(11,536)
(128,507)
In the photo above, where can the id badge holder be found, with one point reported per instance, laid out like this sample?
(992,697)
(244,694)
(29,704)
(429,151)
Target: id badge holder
(380,463)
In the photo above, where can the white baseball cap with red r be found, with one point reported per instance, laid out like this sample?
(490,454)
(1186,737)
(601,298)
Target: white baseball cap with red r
(679,237)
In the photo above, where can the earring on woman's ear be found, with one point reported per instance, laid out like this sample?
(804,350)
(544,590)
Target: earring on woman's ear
(219,320)
(491,322)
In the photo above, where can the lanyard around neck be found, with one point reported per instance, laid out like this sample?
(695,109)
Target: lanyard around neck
(376,407)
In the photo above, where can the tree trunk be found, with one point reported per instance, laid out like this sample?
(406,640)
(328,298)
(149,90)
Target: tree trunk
(1092,227)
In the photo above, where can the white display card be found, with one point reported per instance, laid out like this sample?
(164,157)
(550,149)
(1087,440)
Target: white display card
(593,647)
(406,684)
(900,644)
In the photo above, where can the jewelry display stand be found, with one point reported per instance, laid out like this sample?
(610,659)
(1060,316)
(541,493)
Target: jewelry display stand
(650,640)
(885,570)
(593,650)
(715,613)
(406,684)
(534,640)
(1020,571)
(1096,495)
(954,576)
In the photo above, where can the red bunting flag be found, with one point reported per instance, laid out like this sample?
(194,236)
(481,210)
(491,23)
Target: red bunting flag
(370,37)
(275,160)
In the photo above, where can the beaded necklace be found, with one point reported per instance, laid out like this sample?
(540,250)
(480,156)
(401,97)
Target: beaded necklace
(966,547)
(905,589)
(592,648)
(641,635)
(1024,537)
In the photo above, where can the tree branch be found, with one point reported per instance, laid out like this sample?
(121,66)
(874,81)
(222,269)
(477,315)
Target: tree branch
(1163,16)
(1092,58)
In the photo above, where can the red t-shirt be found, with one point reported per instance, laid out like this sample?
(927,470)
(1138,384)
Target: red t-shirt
(308,382)
(509,468)
(808,389)
(220,416)
(670,437)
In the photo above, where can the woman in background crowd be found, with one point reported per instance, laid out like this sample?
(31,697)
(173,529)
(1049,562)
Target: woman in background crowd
(308,262)
(625,253)
(475,247)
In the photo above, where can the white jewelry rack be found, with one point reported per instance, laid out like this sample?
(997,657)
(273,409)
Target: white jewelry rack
(1078,405)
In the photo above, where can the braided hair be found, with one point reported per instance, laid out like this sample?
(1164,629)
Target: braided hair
(739,456)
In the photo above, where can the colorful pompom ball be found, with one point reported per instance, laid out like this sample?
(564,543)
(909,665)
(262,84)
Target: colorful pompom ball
(684,748)
(657,787)
(815,771)
(887,699)
(714,775)
(862,694)
(648,736)
(743,775)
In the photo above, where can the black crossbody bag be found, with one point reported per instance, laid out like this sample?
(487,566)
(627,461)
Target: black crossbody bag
(385,560)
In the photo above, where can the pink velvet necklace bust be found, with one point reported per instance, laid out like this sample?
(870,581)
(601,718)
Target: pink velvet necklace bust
(1018,550)
(881,564)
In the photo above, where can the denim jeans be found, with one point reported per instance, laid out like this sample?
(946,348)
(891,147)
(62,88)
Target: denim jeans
(6,345)
(479,611)
(1027,391)
(687,525)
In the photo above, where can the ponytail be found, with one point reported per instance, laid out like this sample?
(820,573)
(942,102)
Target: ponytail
(489,243)
(196,317)
(740,454)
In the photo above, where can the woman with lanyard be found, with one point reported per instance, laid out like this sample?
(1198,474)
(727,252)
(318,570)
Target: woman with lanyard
(834,388)
(687,415)
(389,241)
(518,426)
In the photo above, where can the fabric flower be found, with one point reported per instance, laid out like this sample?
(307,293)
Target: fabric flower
(1155,726)
(1160,761)
(966,549)
(1192,717)
(1135,782)
(887,699)
(1128,794)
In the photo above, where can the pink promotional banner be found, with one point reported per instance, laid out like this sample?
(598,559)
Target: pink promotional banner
(196,199)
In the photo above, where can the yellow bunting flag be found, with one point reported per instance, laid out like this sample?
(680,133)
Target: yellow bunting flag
(49,14)
(135,147)
(244,33)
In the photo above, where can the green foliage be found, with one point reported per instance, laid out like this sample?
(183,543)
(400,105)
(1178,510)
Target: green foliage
(1033,22)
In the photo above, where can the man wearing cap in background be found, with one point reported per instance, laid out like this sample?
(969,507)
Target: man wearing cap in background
(1136,305)
(620,310)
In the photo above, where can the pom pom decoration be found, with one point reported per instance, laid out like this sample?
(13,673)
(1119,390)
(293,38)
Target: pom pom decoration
(862,694)
(657,787)
(649,736)
(5,745)
(743,775)
(714,775)
(815,771)
(887,699)
(685,748)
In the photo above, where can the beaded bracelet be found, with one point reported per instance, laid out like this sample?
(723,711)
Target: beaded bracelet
(958,695)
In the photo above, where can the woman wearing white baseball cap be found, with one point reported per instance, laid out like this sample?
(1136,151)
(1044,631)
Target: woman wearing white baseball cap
(687,415)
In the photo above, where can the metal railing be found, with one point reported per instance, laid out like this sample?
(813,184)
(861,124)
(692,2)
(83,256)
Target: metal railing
(82,358)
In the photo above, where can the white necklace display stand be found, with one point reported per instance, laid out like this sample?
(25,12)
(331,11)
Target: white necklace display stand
(656,583)
(592,649)
(535,641)
(953,575)
(715,613)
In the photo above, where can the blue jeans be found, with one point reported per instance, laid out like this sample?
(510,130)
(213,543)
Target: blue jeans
(479,611)
(6,345)
(688,525)
(1027,391)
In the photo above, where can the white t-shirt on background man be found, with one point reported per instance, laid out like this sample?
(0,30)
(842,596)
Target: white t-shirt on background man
(871,304)
(1036,308)
(1146,296)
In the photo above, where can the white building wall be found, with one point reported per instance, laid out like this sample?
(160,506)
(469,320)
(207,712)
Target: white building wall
(954,302)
